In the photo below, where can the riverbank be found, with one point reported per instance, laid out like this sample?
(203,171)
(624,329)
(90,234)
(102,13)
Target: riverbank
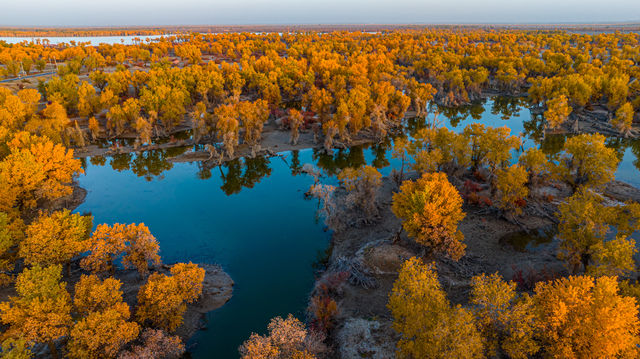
(273,139)
(523,251)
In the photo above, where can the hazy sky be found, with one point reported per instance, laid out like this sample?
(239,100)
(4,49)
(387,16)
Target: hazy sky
(197,12)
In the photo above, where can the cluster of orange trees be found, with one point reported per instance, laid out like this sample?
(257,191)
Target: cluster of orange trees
(431,206)
(341,83)
(591,314)
(82,311)
(574,317)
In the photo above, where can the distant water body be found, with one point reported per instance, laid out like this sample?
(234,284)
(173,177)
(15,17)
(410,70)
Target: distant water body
(94,40)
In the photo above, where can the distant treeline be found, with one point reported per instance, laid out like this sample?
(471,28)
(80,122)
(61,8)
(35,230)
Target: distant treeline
(147,31)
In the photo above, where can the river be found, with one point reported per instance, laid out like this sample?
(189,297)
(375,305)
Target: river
(251,217)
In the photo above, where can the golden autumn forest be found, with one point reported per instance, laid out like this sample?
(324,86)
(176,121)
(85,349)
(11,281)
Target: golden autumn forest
(411,270)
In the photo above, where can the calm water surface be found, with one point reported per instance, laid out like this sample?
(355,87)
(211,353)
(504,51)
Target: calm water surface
(94,40)
(250,215)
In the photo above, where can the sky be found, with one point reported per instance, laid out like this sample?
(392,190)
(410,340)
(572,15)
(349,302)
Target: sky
(232,12)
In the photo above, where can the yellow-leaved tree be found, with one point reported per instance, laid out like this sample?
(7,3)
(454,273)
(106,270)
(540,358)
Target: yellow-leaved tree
(51,123)
(511,188)
(558,111)
(490,146)
(587,162)
(227,127)
(134,241)
(623,119)
(506,319)
(106,244)
(163,299)
(295,121)
(430,209)
(584,222)
(41,312)
(439,149)
(56,238)
(189,277)
(535,162)
(429,326)
(9,238)
(104,328)
(142,248)
(583,317)
(36,169)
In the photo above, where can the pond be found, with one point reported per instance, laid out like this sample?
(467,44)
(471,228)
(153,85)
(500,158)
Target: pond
(251,217)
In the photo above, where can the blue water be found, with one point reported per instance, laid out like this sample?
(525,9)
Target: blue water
(266,237)
(251,217)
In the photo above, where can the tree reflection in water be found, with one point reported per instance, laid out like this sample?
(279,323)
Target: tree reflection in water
(331,163)
(507,106)
(458,114)
(246,172)
(243,172)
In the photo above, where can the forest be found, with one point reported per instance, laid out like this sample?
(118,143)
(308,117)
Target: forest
(411,271)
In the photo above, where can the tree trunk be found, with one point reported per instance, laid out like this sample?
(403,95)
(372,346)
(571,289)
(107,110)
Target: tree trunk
(52,349)
(585,258)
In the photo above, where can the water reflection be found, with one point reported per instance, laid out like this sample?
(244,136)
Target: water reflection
(529,241)
(246,172)
(507,107)
(457,114)
(243,172)
(332,163)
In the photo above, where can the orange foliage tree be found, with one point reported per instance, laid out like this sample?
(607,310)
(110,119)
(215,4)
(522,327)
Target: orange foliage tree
(163,299)
(36,169)
(104,328)
(42,310)
(56,238)
(579,317)
(430,209)
(135,241)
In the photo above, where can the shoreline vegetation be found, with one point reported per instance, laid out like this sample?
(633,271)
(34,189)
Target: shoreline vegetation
(459,202)
(217,285)
(366,257)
